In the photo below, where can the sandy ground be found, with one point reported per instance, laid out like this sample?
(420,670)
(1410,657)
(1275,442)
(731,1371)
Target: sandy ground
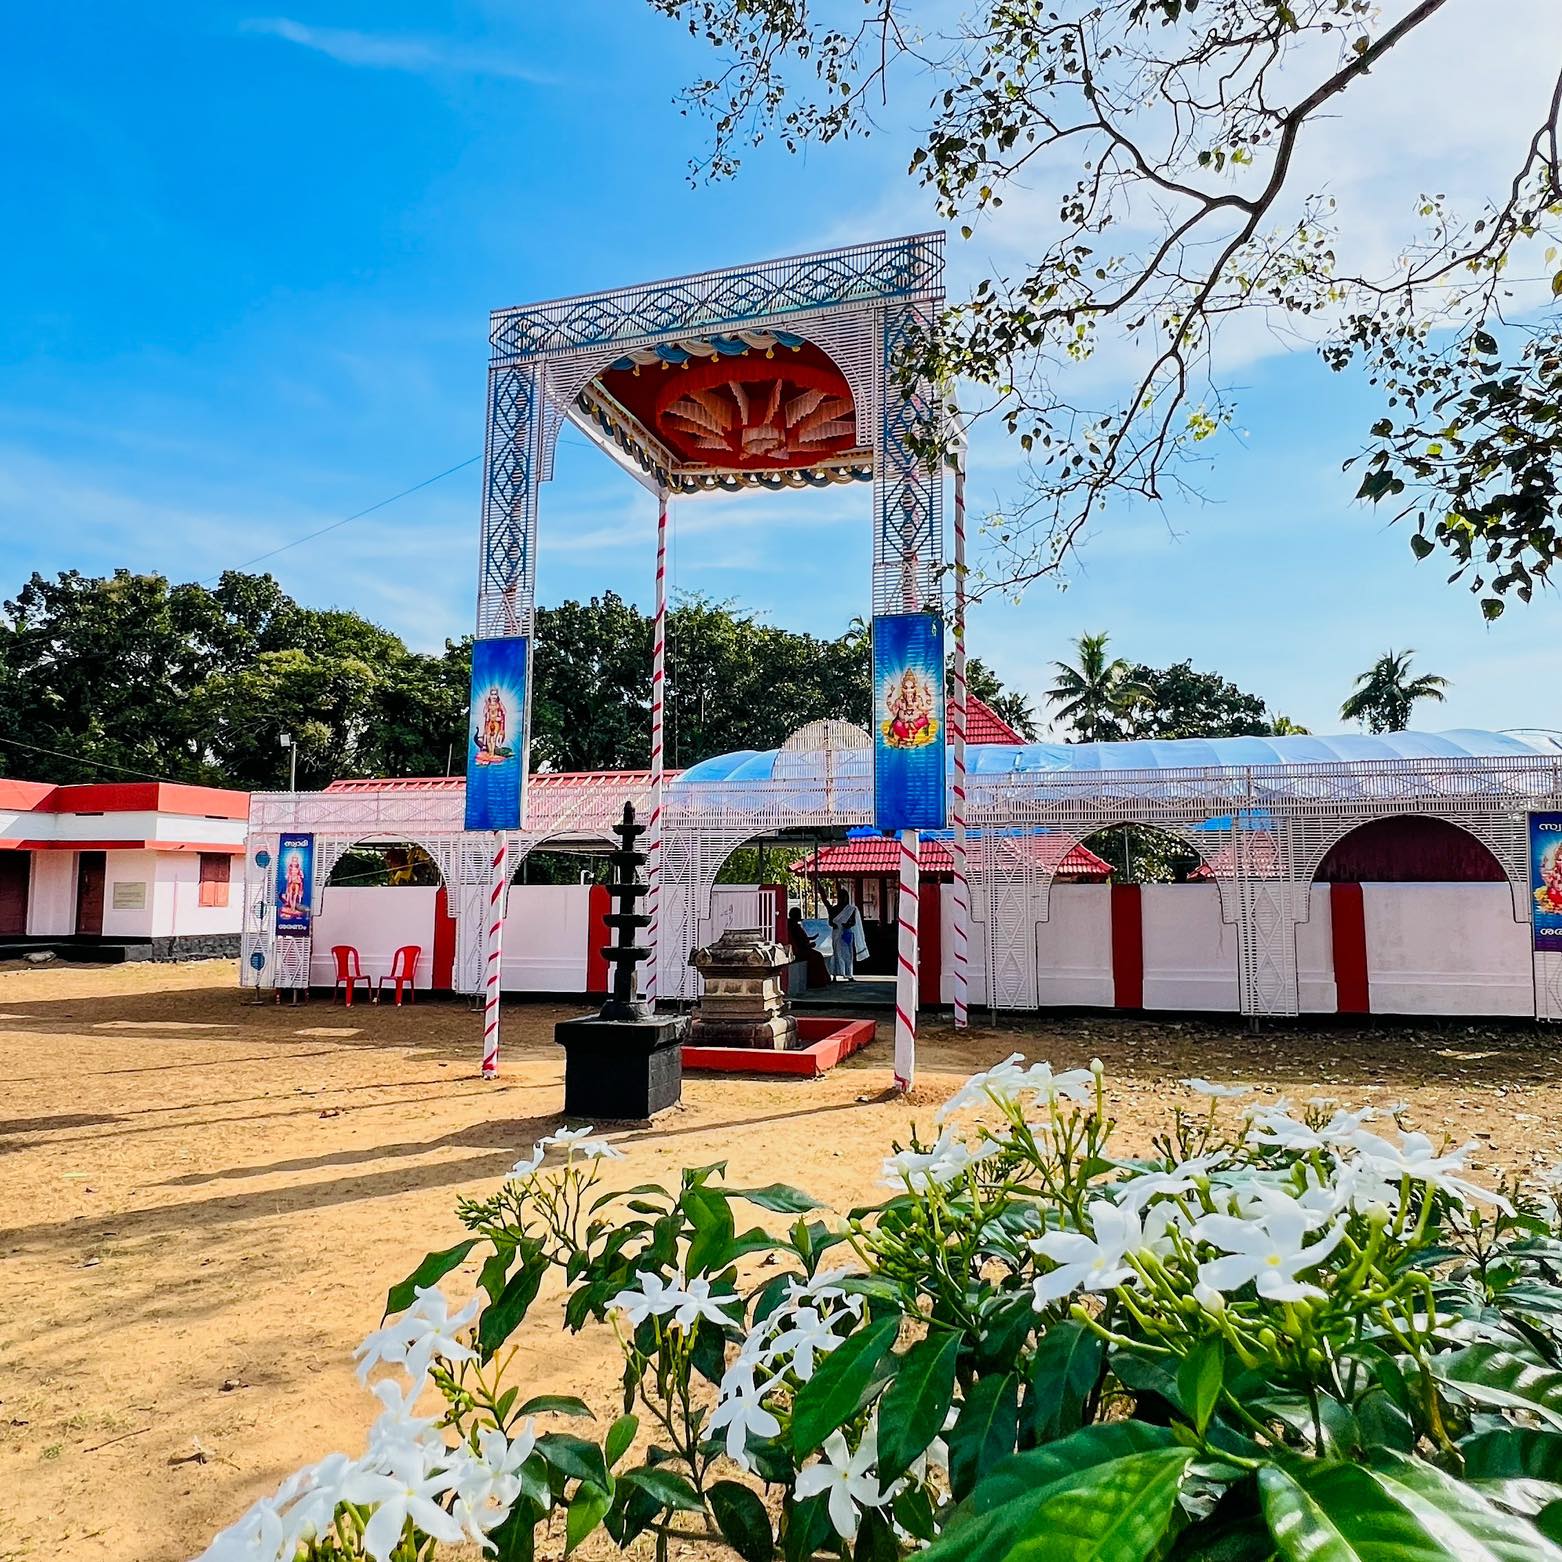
(203,1202)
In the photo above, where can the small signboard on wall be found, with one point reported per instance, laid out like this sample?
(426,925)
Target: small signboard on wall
(1545,881)
(129,895)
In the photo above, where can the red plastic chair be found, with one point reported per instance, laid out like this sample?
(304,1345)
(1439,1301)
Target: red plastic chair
(348,971)
(404,967)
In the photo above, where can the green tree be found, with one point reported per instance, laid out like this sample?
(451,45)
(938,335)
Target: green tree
(1013,706)
(1177,138)
(1095,694)
(1386,692)
(1178,702)
(1284,727)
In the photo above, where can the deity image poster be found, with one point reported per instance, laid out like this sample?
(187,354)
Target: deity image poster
(295,885)
(496,734)
(1545,880)
(908,722)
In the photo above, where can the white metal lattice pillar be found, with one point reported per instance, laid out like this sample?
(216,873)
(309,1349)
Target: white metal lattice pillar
(658,751)
(957,723)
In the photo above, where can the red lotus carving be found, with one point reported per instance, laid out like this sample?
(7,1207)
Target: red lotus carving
(755,412)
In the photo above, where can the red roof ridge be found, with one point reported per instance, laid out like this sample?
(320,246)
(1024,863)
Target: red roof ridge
(984,725)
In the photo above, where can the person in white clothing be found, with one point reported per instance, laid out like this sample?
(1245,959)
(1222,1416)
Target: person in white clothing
(845,937)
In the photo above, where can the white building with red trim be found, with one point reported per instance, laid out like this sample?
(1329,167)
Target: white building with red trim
(124,869)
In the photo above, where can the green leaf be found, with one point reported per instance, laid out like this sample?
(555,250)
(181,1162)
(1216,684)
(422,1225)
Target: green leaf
(986,1431)
(743,1521)
(619,1436)
(778,1197)
(575,1458)
(1400,1509)
(556,1404)
(835,1390)
(1116,1511)
(912,1411)
(1511,1452)
(433,1269)
(805,1526)
(1495,1375)
(914,1513)
(1024,1475)
(502,1316)
(491,1276)
(588,1507)
(516,1539)
(1063,1372)
(1199,1380)
(711,1216)
(672,1491)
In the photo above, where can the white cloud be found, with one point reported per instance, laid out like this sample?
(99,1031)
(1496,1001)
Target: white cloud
(379,51)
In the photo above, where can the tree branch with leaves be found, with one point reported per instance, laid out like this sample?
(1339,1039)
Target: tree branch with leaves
(1173,132)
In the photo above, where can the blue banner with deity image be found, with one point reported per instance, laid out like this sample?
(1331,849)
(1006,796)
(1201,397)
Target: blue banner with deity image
(496,734)
(908,722)
(295,885)
(1545,881)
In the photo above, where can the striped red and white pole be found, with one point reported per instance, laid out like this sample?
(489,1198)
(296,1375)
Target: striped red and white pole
(957,715)
(653,897)
(495,941)
(906,964)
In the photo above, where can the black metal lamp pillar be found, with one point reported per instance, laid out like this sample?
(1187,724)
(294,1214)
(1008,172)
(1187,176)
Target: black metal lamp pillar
(623,1062)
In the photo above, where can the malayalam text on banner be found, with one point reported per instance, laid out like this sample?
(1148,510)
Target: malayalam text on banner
(908,722)
(496,734)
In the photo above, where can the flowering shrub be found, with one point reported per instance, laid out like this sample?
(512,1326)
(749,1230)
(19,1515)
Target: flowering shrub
(1302,1334)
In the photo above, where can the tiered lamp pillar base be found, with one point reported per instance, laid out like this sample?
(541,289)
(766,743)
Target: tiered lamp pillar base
(625,1062)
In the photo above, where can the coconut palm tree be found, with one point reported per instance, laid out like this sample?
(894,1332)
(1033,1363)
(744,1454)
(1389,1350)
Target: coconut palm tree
(1088,696)
(1385,693)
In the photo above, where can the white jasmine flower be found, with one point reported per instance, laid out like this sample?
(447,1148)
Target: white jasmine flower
(847,1477)
(921,1169)
(562,1138)
(1074,1084)
(404,1488)
(396,1426)
(425,1330)
(1268,1253)
(810,1335)
(825,1286)
(582,1142)
(1139,1190)
(1415,1158)
(997,1083)
(1205,1087)
(1208,1298)
(529,1164)
(742,1412)
(489,1480)
(312,1515)
(1089,1263)
(654,1298)
(257,1536)
(697,1303)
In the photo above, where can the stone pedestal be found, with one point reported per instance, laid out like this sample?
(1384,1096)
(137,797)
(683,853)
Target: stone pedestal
(621,1069)
(624,1062)
(744,1002)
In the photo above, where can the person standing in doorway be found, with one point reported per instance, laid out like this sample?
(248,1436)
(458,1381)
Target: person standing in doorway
(845,933)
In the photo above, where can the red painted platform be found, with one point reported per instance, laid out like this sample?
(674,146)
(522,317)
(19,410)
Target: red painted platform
(826,1042)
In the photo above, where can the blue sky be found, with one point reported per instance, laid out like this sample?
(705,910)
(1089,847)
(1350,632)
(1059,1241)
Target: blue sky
(248,264)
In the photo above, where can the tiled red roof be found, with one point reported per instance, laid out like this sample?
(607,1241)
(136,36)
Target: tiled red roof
(984,725)
(869,857)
